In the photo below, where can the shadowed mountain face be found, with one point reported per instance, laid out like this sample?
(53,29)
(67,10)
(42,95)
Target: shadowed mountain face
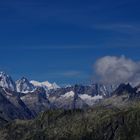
(37,101)
(125,88)
(12,107)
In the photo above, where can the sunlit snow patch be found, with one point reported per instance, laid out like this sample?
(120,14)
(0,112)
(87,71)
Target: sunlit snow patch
(68,94)
(89,99)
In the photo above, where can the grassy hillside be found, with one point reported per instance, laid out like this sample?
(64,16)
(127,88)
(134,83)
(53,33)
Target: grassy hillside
(98,123)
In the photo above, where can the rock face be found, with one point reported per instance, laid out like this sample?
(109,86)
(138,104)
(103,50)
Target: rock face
(7,82)
(12,107)
(125,88)
(81,96)
(37,101)
(92,90)
(24,86)
(68,100)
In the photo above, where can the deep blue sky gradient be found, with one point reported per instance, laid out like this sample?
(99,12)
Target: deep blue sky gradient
(60,40)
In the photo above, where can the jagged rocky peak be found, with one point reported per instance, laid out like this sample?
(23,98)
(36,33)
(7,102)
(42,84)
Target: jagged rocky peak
(104,89)
(125,88)
(23,85)
(7,82)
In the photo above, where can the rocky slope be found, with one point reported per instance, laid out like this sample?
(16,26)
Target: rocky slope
(12,107)
(37,101)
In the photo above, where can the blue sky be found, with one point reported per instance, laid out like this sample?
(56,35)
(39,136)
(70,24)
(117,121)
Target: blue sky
(61,40)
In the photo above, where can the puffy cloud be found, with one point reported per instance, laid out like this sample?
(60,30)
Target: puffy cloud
(112,69)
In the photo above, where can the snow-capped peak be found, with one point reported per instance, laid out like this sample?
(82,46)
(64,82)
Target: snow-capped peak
(45,84)
(36,83)
(7,82)
(68,94)
(24,86)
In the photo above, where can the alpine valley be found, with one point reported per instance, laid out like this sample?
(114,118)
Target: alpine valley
(32,110)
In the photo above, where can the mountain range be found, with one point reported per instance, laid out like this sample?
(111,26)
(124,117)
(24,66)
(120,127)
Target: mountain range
(24,99)
(42,110)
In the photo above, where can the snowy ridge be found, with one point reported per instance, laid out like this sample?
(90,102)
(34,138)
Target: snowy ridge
(45,84)
(68,94)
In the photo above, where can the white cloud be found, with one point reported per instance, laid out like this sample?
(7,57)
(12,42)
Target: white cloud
(112,69)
